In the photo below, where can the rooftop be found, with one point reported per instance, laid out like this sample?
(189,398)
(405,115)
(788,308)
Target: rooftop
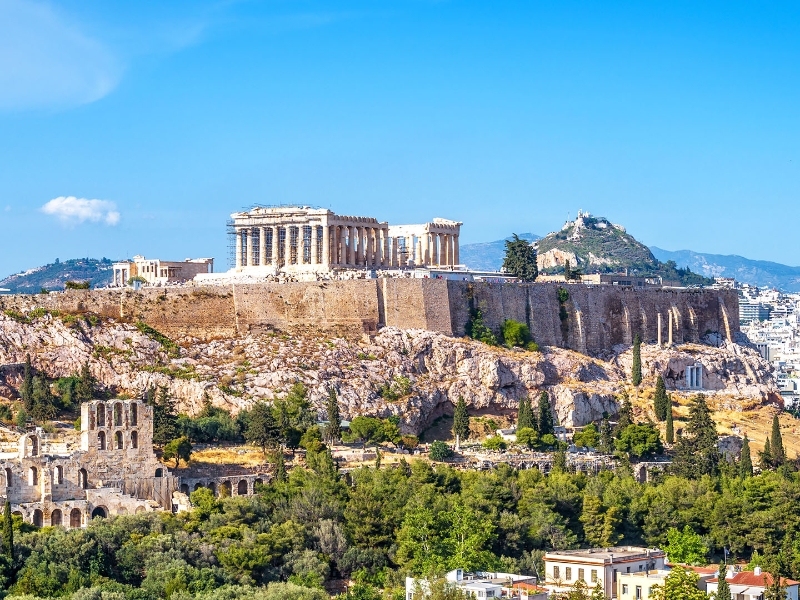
(751,579)
(605,554)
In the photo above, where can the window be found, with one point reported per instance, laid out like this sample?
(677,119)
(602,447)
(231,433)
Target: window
(624,589)
(556,572)
(134,439)
(638,592)
(59,478)
(594,575)
(118,440)
(627,569)
(581,575)
(569,573)
(134,413)
(33,476)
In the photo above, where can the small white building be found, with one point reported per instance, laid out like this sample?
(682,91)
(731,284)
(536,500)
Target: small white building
(159,272)
(750,585)
(598,565)
(477,585)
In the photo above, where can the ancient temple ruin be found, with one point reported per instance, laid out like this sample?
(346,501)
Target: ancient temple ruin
(300,239)
(115,471)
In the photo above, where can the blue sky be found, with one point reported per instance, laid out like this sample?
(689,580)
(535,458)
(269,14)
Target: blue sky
(680,120)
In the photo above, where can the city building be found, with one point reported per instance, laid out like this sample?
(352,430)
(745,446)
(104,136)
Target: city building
(598,565)
(481,585)
(751,585)
(154,271)
(300,240)
(639,585)
(753,311)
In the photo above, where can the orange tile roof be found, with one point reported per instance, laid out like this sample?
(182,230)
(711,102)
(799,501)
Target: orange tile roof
(749,578)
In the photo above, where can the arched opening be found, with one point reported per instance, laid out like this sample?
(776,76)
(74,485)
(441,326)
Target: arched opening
(134,439)
(101,440)
(256,484)
(34,445)
(134,413)
(101,415)
(185,489)
(159,472)
(241,489)
(37,518)
(118,440)
(118,414)
(83,480)
(225,489)
(17,513)
(55,517)
(75,518)
(139,509)
(213,487)
(59,475)
(197,486)
(33,476)
(9,477)
(100,512)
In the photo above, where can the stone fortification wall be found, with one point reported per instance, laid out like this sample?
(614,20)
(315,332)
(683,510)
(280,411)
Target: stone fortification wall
(595,317)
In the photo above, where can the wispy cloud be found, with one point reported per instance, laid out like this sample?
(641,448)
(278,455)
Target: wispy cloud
(48,62)
(71,210)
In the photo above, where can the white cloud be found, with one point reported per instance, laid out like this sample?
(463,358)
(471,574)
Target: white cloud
(47,62)
(71,210)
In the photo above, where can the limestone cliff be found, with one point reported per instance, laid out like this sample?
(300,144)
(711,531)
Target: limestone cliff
(422,373)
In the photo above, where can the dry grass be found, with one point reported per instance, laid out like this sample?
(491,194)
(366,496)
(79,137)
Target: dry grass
(230,455)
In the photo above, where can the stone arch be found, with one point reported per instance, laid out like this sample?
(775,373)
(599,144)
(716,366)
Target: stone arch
(134,440)
(213,487)
(101,415)
(58,475)
(225,489)
(139,509)
(241,489)
(18,513)
(118,444)
(56,517)
(257,483)
(185,488)
(118,414)
(37,518)
(75,518)
(33,476)
(101,440)
(134,413)
(34,445)
(9,477)
(197,486)
(83,479)
(101,512)
(159,472)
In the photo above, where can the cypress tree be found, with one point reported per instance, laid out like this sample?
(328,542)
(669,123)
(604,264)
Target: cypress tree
(545,416)
(8,532)
(696,452)
(636,368)
(670,432)
(625,413)
(26,389)
(745,461)
(766,456)
(165,420)
(334,420)
(606,437)
(660,399)
(723,589)
(280,466)
(525,414)
(461,420)
(85,386)
(776,443)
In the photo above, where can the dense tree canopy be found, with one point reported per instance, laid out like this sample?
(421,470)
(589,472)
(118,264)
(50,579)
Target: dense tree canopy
(520,259)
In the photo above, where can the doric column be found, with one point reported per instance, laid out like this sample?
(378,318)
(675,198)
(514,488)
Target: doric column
(351,246)
(275,239)
(262,246)
(287,246)
(455,250)
(372,246)
(249,247)
(394,258)
(314,238)
(385,258)
(418,256)
(239,249)
(326,246)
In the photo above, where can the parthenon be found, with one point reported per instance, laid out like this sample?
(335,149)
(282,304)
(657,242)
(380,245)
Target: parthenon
(301,239)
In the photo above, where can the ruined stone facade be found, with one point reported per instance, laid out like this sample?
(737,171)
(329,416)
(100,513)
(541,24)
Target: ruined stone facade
(115,472)
(159,272)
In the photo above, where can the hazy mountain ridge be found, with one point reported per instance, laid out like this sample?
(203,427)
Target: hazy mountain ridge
(488,256)
(54,275)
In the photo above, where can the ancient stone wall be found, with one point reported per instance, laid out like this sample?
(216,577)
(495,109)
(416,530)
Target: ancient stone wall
(592,319)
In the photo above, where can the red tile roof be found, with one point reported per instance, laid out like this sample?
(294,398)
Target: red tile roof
(749,578)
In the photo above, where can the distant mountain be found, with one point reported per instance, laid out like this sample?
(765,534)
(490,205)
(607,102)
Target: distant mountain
(754,272)
(488,256)
(53,276)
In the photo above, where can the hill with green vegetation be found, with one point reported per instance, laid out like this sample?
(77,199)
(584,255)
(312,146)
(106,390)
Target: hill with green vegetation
(595,245)
(55,275)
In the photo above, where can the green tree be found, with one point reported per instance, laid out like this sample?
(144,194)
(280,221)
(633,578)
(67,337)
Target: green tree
(600,524)
(367,429)
(525,417)
(8,532)
(495,443)
(670,428)
(765,457)
(745,461)
(775,590)
(527,437)
(515,334)
(636,367)
(280,466)
(468,539)
(461,420)
(165,419)
(44,407)
(334,431)
(21,419)
(520,259)
(606,437)
(776,443)
(625,416)
(440,451)
(86,384)
(723,588)
(546,424)
(685,547)
(477,329)
(26,389)
(262,430)
(588,438)
(680,584)
(640,441)
(661,401)
(179,449)
(696,453)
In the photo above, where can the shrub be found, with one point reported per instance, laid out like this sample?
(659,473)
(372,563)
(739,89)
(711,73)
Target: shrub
(477,330)
(78,285)
(495,443)
(440,451)
(516,333)
(528,437)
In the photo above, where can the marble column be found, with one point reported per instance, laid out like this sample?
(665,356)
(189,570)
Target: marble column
(372,246)
(386,259)
(239,249)
(249,247)
(351,246)
(275,238)
(659,330)
(445,249)
(287,246)
(326,246)
(262,246)
(456,257)
(394,258)
(314,239)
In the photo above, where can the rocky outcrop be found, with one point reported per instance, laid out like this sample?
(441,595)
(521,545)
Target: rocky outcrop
(415,374)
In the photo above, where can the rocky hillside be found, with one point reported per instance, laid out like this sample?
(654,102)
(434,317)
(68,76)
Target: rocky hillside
(55,275)
(415,374)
